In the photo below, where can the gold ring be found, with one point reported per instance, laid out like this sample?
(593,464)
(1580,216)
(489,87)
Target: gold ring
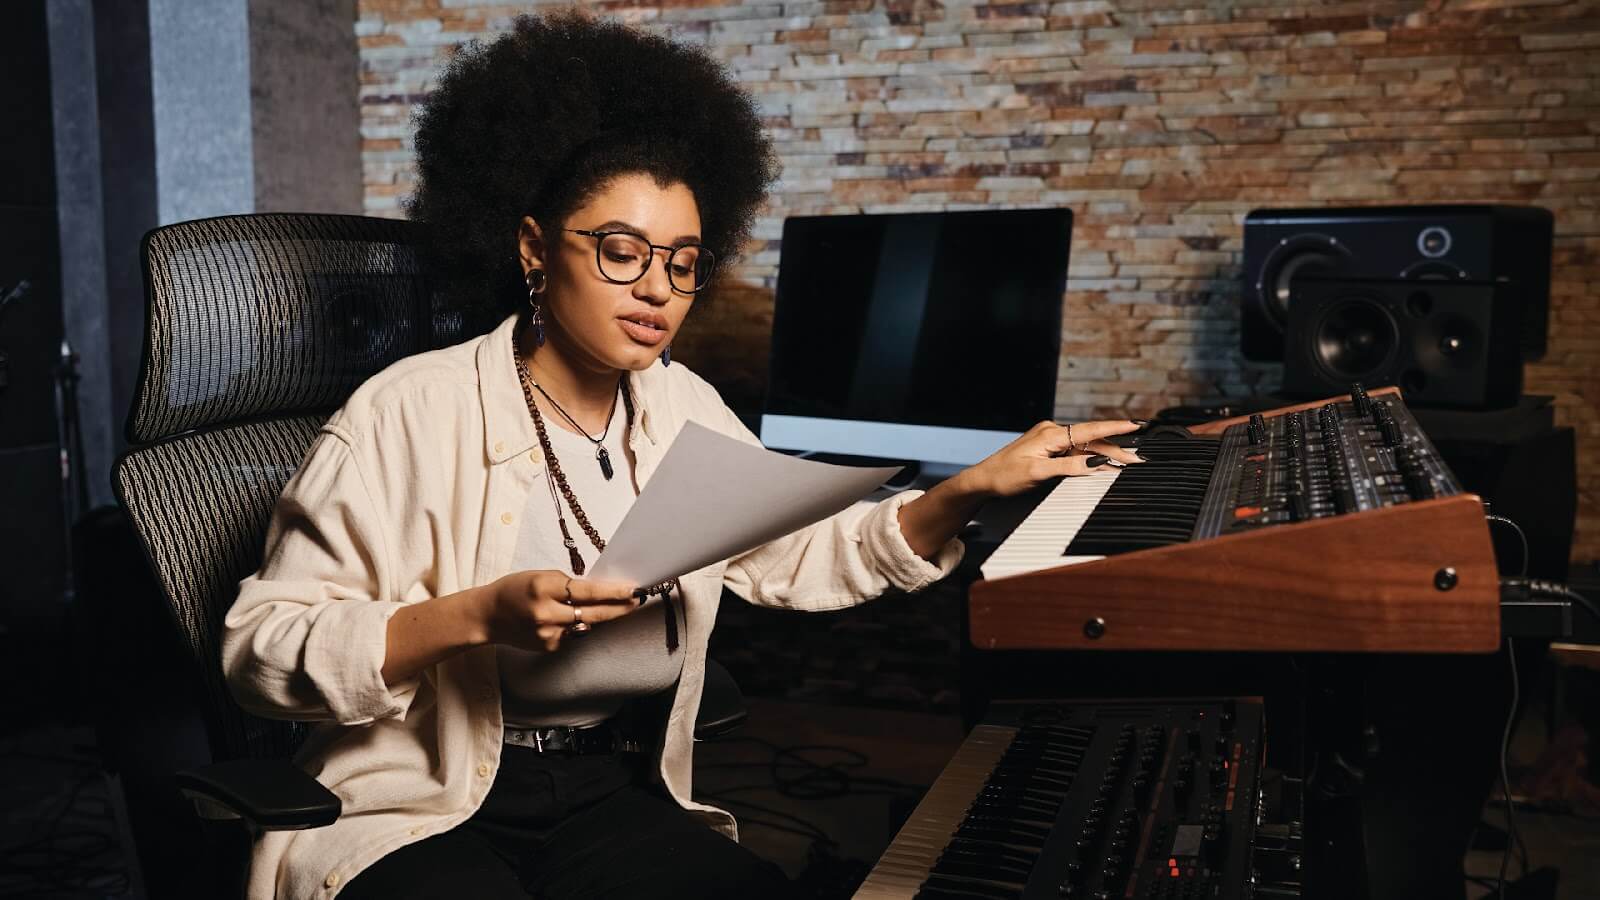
(1070,445)
(568,600)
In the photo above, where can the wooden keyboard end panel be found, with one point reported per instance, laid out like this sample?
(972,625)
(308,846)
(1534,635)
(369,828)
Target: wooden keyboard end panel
(1360,583)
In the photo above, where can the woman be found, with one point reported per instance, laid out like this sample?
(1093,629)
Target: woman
(421,596)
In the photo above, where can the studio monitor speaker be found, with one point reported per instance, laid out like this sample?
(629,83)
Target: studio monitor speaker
(1444,343)
(1507,245)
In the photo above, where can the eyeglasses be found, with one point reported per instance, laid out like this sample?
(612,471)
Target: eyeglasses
(624,257)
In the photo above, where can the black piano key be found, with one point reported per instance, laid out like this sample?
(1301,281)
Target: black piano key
(1003,835)
(967,845)
(1021,799)
(1048,762)
(1070,735)
(1028,818)
(981,820)
(1153,504)
(1030,779)
(1006,868)
(1020,791)
(945,887)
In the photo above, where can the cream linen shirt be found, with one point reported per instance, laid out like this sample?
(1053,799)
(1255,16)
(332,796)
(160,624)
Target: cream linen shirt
(413,490)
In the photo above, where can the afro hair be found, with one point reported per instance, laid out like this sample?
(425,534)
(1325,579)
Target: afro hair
(537,120)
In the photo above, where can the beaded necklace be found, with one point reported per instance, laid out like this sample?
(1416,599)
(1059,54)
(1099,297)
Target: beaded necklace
(555,478)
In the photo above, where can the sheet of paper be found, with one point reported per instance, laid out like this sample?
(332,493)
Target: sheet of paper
(714,497)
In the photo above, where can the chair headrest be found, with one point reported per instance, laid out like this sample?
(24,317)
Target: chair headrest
(275,314)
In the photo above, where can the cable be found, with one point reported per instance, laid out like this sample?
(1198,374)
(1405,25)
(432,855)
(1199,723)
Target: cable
(794,773)
(64,861)
(1522,589)
(1505,780)
(1514,840)
(805,829)
(816,781)
(1519,589)
(1523,571)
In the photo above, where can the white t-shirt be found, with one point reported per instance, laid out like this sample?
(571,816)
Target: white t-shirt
(590,676)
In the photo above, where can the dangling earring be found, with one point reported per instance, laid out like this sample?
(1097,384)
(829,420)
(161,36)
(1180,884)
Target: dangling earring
(535,288)
(666,356)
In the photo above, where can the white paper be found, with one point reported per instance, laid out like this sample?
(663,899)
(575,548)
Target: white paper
(715,497)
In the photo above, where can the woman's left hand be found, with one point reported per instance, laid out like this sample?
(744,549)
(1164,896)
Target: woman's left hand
(1046,451)
(1049,450)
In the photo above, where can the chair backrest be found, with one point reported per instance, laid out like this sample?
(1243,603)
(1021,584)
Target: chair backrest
(258,327)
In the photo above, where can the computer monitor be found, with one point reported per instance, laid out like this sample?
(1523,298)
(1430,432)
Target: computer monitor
(925,337)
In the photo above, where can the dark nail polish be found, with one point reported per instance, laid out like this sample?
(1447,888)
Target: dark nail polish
(1096,461)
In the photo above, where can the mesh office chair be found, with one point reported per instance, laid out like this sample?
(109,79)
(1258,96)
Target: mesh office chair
(258,328)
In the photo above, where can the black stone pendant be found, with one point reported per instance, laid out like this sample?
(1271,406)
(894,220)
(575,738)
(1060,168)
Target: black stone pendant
(605,463)
(672,620)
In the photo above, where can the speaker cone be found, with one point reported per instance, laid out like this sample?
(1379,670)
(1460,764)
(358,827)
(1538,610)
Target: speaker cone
(1355,338)
(1296,257)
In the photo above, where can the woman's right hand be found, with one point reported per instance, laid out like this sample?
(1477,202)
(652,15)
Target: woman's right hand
(532,610)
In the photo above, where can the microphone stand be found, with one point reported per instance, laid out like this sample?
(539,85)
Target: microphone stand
(74,483)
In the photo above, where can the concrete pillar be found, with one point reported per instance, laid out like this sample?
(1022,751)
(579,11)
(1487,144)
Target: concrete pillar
(305,106)
(168,110)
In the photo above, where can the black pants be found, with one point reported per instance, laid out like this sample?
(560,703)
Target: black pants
(557,826)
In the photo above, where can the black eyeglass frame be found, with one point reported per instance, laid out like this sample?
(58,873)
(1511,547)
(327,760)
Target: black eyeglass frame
(600,238)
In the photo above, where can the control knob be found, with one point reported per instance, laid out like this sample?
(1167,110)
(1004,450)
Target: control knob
(1359,399)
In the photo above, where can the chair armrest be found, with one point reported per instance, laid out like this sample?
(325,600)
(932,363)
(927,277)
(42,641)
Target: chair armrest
(270,794)
(721,704)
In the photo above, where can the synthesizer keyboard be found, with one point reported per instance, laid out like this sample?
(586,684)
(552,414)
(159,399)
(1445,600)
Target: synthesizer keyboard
(1147,800)
(1331,525)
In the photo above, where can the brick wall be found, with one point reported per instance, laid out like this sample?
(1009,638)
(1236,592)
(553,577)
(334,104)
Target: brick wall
(1159,122)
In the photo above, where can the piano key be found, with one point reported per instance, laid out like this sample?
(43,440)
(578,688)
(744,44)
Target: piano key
(1037,542)
(947,887)
(905,866)
(1006,869)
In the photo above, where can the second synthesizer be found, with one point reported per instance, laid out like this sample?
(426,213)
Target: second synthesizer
(1142,800)
(1331,526)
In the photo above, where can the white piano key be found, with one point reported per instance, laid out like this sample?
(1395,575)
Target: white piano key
(1039,541)
(915,850)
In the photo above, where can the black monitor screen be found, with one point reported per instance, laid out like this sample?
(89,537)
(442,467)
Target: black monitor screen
(946,319)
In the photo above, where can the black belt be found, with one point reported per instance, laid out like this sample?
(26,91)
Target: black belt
(601,738)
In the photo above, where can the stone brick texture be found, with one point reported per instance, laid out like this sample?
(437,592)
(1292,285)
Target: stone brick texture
(1160,123)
